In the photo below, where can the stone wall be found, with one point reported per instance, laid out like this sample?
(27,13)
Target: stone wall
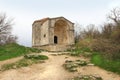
(36,32)
(44,33)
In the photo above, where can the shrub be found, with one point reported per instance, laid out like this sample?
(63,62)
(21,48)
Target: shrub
(107,48)
(39,57)
(84,51)
(87,77)
(84,43)
(72,65)
(34,50)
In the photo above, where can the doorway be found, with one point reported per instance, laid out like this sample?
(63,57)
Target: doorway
(55,40)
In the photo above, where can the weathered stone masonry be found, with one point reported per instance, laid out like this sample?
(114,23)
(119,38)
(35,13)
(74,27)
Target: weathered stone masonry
(53,34)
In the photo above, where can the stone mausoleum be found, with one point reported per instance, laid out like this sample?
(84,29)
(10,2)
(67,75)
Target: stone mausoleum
(53,34)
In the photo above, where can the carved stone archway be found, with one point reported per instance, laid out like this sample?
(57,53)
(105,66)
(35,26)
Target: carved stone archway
(60,31)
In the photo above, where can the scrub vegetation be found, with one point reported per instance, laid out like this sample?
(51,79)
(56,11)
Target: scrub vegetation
(102,45)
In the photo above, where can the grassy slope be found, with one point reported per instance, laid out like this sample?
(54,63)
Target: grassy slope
(14,50)
(109,65)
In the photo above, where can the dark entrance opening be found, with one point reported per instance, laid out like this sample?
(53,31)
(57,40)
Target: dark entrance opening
(55,40)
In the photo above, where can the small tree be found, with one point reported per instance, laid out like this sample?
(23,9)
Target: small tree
(114,15)
(107,30)
(77,32)
(91,32)
(5,30)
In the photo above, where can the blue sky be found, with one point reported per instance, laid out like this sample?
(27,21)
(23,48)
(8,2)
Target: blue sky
(24,12)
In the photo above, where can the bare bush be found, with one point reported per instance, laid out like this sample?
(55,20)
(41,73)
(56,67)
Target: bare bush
(11,39)
(115,36)
(5,30)
(78,30)
(107,48)
(107,30)
(91,32)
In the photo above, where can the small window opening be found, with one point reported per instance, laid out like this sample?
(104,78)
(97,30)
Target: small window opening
(44,35)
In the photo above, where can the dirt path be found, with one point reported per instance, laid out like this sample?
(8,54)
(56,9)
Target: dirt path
(10,61)
(52,70)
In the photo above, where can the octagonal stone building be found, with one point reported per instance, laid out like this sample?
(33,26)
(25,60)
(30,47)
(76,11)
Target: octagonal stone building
(53,34)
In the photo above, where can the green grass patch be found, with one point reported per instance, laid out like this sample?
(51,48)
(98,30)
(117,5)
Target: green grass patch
(81,51)
(73,65)
(24,62)
(37,57)
(109,65)
(14,50)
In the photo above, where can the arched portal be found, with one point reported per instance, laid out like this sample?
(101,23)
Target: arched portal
(60,32)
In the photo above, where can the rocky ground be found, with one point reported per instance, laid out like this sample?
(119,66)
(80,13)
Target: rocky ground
(53,69)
